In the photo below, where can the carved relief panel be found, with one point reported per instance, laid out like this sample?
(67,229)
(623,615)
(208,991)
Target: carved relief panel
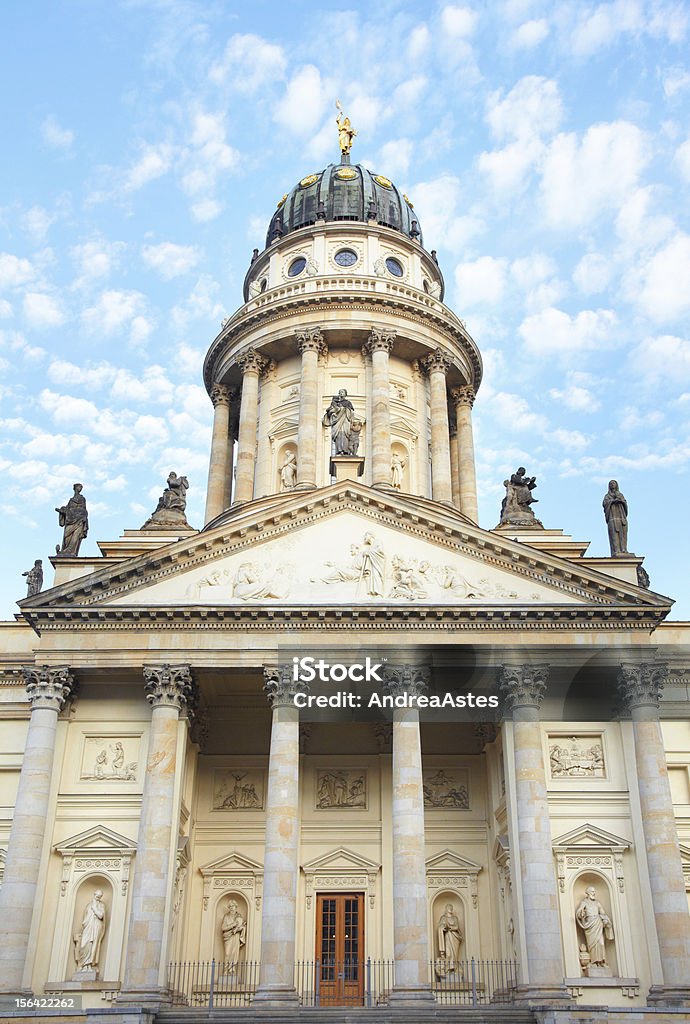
(577,757)
(238,789)
(446,788)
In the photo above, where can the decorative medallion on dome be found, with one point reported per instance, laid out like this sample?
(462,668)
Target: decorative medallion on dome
(408,201)
(309,180)
(281,202)
(346,173)
(380,179)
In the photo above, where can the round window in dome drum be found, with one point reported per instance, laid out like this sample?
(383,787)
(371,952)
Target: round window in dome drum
(394,267)
(345,258)
(297,266)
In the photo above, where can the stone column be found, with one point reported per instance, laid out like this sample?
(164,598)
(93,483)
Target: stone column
(252,366)
(454,461)
(311,344)
(640,686)
(169,689)
(437,365)
(410,932)
(379,345)
(220,465)
(48,690)
(281,844)
(523,687)
(464,400)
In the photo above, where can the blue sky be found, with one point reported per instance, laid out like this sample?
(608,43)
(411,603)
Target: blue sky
(546,147)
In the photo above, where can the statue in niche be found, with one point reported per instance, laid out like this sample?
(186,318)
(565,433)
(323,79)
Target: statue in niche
(34,579)
(339,417)
(170,511)
(449,938)
(616,514)
(515,507)
(87,942)
(74,518)
(398,464)
(596,924)
(288,472)
(234,929)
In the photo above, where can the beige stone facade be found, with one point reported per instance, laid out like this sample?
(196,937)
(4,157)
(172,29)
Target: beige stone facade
(154,750)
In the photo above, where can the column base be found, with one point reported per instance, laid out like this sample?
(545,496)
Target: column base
(305,485)
(271,996)
(147,998)
(542,995)
(411,995)
(669,995)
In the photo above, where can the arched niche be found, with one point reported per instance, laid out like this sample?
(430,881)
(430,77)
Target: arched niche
(81,918)
(400,466)
(594,880)
(288,449)
(446,906)
(451,878)
(223,914)
(237,877)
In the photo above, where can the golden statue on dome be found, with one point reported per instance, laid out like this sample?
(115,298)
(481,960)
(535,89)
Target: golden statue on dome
(346,132)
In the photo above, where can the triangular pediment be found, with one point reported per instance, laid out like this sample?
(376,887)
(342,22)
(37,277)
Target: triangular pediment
(98,839)
(448,860)
(590,837)
(231,863)
(347,545)
(341,859)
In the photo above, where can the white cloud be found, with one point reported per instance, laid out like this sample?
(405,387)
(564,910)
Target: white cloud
(638,226)
(42,310)
(438,203)
(210,153)
(419,42)
(14,270)
(171,260)
(530,34)
(598,27)
(676,80)
(480,281)
(394,157)
(409,93)
(514,413)
(114,311)
(55,136)
(682,159)
(572,440)
(659,285)
(531,109)
(303,103)
(249,64)
(95,258)
(6,310)
(593,273)
(37,221)
(154,162)
(458,22)
(507,169)
(554,331)
(206,209)
(66,374)
(663,356)
(581,179)
(576,397)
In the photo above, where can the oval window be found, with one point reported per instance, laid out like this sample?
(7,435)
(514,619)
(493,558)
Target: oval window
(297,266)
(264,285)
(394,267)
(345,258)
(427,286)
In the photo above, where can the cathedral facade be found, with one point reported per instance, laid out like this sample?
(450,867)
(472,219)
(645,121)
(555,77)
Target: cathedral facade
(343,746)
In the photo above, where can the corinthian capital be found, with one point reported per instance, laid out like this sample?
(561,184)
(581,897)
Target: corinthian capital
(49,687)
(523,685)
(381,339)
(169,686)
(279,686)
(311,340)
(220,395)
(405,679)
(250,361)
(642,683)
(437,362)
(464,395)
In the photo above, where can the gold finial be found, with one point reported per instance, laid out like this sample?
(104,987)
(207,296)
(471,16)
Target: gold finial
(346,133)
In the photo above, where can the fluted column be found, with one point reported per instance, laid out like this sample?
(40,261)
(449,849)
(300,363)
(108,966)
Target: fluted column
(311,345)
(437,365)
(169,689)
(48,689)
(281,843)
(463,399)
(410,932)
(252,366)
(220,464)
(523,687)
(379,345)
(454,463)
(641,686)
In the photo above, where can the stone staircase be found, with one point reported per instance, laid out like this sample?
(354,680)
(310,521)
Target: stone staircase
(350,1015)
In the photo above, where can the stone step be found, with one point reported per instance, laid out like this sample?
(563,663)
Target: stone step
(349,1015)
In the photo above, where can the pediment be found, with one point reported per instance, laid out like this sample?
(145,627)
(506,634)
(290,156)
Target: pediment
(98,839)
(346,546)
(231,863)
(590,837)
(447,860)
(341,859)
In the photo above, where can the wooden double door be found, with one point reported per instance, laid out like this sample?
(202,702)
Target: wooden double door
(340,949)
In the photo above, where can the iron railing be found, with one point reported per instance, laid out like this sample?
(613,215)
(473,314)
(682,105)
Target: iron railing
(215,984)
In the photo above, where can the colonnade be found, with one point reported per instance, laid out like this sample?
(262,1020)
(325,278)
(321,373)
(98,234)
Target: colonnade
(171,692)
(453,480)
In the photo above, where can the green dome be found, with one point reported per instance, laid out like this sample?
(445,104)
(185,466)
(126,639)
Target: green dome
(344,192)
